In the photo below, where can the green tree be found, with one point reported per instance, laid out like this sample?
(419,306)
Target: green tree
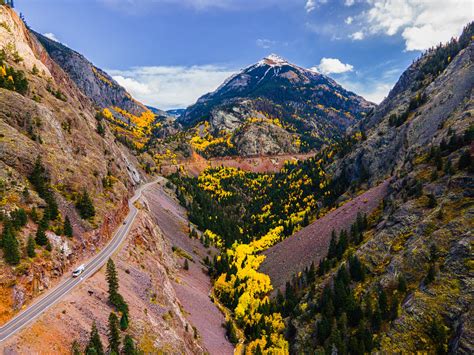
(75,348)
(128,346)
(84,205)
(124,321)
(114,334)
(94,341)
(186,264)
(41,238)
(402,284)
(10,245)
(383,304)
(356,269)
(112,280)
(465,160)
(437,332)
(30,247)
(67,228)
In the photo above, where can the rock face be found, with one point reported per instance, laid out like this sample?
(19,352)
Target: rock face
(300,108)
(96,84)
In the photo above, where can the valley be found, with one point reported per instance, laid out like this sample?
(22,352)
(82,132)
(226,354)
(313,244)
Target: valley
(280,213)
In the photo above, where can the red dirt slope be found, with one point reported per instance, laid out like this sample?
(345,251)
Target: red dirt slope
(295,253)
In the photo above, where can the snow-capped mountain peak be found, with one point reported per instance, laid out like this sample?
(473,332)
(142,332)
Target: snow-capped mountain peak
(274,60)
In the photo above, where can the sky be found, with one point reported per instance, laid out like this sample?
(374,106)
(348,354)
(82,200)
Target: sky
(168,53)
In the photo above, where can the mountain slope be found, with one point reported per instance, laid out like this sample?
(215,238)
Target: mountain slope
(96,84)
(400,281)
(274,107)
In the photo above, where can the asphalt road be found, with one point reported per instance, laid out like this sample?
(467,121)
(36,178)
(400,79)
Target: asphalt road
(63,288)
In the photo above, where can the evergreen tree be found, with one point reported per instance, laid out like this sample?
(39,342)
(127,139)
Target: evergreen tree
(128,346)
(124,321)
(332,251)
(10,245)
(186,264)
(402,284)
(84,206)
(356,269)
(95,344)
(30,247)
(431,274)
(67,228)
(112,280)
(465,160)
(75,348)
(394,308)
(383,304)
(41,238)
(114,334)
(438,335)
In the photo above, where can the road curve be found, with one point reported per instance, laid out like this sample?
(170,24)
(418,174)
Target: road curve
(63,288)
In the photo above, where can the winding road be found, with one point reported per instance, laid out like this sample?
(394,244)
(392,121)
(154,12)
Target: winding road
(63,288)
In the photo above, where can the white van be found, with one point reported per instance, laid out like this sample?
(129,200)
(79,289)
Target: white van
(78,271)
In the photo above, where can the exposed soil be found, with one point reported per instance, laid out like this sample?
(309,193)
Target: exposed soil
(311,243)
(197,164)
(192,286)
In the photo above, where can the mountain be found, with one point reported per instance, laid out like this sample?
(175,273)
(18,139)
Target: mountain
(176,112)
(274,107)
(95,83)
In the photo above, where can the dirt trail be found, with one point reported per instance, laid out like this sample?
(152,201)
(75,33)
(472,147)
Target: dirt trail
(193,286)
(311,243)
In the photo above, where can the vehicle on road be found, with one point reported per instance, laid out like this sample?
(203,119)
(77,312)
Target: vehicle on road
(78,271)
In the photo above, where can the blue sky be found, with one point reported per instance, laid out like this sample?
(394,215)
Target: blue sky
(169,52)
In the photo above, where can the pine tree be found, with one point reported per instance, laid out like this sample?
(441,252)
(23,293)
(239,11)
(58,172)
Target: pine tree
(438,335)
(356,269)
(67,228)
(41,238)
(84,206)
(95,343)
(30,247)
(112,280)
(124,322)
(186,264)
(465,160)
(75,348)
(402,284)
(383,304)
(332,246)
(114,334)
(128,346)
(10,245)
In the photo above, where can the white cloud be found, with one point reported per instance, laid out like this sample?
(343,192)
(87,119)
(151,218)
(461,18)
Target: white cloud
(349,2)
(51,36)
(332,65)
(422,23)
(167,87)
(357,36)
(313,4)
(348,20)
(265,43)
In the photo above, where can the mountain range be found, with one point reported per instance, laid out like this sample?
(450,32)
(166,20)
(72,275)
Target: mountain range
(360,245)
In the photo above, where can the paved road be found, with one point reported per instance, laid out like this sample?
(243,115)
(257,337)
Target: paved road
(53,296)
